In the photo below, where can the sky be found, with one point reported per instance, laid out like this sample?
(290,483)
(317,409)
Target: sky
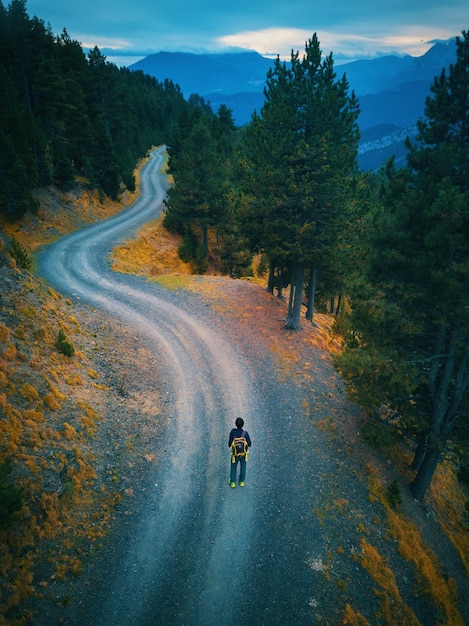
(128,30)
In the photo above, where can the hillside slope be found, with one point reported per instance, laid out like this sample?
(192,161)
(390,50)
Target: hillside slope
(76,427)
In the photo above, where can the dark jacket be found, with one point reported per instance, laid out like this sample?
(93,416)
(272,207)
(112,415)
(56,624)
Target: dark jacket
(238,432)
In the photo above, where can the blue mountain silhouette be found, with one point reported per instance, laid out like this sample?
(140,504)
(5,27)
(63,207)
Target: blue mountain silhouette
(391,89)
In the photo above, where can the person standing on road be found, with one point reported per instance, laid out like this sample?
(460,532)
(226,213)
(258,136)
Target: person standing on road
(239,442)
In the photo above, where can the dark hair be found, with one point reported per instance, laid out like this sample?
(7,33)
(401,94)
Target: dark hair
(239,422)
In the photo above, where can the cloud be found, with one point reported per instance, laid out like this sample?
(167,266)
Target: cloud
(281,41)
(269,41)
(350,30)
(104,43)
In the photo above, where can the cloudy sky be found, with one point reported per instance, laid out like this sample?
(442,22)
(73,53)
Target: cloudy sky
(127,30)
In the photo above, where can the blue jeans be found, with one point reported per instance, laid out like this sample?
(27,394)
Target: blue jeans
(242,471)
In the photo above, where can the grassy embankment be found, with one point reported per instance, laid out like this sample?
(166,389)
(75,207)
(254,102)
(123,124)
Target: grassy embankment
(50,407)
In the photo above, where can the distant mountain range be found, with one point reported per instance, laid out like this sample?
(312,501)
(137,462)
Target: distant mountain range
(391,90)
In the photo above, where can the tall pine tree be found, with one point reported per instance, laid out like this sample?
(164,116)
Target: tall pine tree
(302,148)
(409,349)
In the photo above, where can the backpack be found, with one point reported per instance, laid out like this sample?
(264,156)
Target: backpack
(240,445)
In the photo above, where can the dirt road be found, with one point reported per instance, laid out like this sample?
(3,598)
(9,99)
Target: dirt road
(196,552)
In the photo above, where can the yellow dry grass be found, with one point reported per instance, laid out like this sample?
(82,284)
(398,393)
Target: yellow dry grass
(48,422)
(173,281)
(441,590)
(354,618)
(393,608)
(450,500)
(153,253)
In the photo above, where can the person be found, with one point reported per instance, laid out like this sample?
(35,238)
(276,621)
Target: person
(234,434)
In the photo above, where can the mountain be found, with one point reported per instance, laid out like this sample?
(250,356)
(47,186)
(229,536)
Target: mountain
(372,76)
(203,74)
(391,90)
(236,79)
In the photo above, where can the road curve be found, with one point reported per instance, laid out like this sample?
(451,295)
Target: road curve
(199,553)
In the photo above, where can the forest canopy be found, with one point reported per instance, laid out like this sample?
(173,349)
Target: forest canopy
(65,114)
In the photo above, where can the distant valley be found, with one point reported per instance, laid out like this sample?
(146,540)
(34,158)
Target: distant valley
(391,89)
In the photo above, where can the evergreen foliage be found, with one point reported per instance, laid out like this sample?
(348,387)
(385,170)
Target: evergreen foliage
(284,186)
(20,255)
(408,341)
(393,494)
(63,345)
(11,496)
(63,114)
(301,151)
(204,201)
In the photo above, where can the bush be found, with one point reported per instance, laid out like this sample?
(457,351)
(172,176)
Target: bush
(20,255)
(11,496)
(379,435)
(463,474)
(188,249)
(63,345)
(393,494)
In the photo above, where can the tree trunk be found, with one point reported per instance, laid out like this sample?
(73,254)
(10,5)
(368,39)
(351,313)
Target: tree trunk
(296,297)
(279,282)
(271,279)
(419,454)
(311,295)
(292,294)
(425,473)
(447,384)
(339,302)
(205,240)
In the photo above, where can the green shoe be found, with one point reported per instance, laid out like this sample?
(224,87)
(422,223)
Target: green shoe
(241,484)
(232,485)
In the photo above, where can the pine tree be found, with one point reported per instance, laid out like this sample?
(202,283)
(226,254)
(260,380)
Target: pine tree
(302,148)
(408,350)
(200,162)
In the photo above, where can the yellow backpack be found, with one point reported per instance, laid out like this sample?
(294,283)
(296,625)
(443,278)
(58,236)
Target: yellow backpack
(239,446)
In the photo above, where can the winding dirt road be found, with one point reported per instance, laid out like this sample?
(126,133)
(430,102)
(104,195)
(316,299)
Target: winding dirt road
(196,552)
(182,545)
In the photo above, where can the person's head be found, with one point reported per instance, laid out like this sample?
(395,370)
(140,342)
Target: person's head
(239,422)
